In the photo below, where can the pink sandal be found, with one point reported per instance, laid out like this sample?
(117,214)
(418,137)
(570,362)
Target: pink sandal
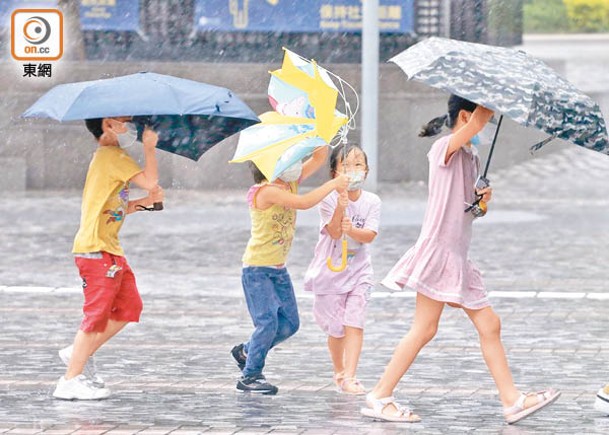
(517,411)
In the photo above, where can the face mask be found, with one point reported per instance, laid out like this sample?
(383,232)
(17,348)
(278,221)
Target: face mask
(356,179)
(292,173)
(485,136)
(128,138)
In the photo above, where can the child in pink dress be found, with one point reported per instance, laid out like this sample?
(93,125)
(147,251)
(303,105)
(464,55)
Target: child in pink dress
(341,297)
(439,269)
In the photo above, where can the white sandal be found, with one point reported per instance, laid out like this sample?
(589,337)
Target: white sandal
(517,411)
(377,406)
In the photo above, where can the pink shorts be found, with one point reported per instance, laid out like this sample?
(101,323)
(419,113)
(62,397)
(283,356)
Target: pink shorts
(333,312)
(108,298)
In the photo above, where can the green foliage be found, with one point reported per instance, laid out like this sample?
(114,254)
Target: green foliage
(588,15)
(560,16)
(545,16)
(504,16)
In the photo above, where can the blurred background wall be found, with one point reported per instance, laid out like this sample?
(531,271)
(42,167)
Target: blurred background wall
(234,43)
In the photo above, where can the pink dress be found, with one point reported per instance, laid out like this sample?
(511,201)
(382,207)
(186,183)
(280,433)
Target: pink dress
(438,266)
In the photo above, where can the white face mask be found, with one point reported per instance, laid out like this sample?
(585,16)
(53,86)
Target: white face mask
(128,138)
(356,179)
(292,173)
(485,136)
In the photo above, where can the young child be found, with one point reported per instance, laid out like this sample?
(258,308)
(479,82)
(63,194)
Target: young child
(341,298)
(439,269)
(266,283)
(111,296)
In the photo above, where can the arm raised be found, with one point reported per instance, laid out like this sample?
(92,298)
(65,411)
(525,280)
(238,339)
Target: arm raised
(463,135)
(270,195)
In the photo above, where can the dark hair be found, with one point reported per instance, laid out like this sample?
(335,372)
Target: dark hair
(258,175)
(343,150)
(455,105)
(95,127)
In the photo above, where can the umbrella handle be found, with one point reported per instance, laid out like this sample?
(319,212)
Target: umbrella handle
(157,206)
(343,263)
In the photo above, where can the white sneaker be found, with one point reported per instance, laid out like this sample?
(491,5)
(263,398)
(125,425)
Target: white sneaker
(90,370)
(602,400)
(79,388)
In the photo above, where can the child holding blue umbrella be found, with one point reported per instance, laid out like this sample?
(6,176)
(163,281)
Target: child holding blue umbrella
(111,297)
(266,283)
(439,269)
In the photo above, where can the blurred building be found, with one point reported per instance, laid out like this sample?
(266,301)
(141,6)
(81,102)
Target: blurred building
(255,30)
(234,43)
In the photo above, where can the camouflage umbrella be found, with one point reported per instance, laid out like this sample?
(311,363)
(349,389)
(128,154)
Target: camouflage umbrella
(512,83)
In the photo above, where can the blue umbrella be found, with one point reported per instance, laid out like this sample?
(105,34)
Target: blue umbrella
(190,117)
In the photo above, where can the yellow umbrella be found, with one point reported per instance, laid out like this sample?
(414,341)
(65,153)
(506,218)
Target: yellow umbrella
(321,92)
(305,117)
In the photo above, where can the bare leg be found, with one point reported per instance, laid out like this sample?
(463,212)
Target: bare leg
(354,338)
(84,342)
(336,346)
(424,327)
(113,328)
(488,326)
(87,343)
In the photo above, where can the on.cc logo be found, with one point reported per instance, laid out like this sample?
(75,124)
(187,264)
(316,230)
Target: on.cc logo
(36,30)
(36,34)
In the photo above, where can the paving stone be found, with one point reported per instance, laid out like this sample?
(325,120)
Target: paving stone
(173,373)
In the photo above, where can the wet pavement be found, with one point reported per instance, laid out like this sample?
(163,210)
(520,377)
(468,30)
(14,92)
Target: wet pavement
(542,248)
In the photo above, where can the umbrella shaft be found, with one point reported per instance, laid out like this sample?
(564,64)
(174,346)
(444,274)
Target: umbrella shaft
(490,153)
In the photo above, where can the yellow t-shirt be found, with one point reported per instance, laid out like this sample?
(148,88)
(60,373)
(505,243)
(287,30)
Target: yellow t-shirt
(272,232)
(104,201)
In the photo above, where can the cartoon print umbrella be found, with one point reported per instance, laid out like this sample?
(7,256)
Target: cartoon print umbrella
(279,141)
(511,83)
(190,117)
(304,98)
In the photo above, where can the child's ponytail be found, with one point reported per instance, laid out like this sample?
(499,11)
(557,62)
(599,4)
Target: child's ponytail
(433,127)
(455,105)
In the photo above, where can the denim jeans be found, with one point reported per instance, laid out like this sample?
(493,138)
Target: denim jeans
(272,305)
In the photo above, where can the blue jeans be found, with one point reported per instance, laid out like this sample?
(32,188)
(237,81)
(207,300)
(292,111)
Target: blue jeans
(271,302)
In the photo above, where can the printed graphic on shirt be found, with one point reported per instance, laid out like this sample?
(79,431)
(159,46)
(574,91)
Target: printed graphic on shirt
(281,224)
(118,214)
(358,221)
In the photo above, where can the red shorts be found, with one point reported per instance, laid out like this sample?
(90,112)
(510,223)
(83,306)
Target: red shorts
(108,298)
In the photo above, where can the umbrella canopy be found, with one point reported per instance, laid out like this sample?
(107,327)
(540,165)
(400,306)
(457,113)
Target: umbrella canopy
(278,142)
(510,82)
(190,117)
(302,88)
(304,98)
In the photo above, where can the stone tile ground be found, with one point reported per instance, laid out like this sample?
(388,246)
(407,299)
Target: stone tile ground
(546,235)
